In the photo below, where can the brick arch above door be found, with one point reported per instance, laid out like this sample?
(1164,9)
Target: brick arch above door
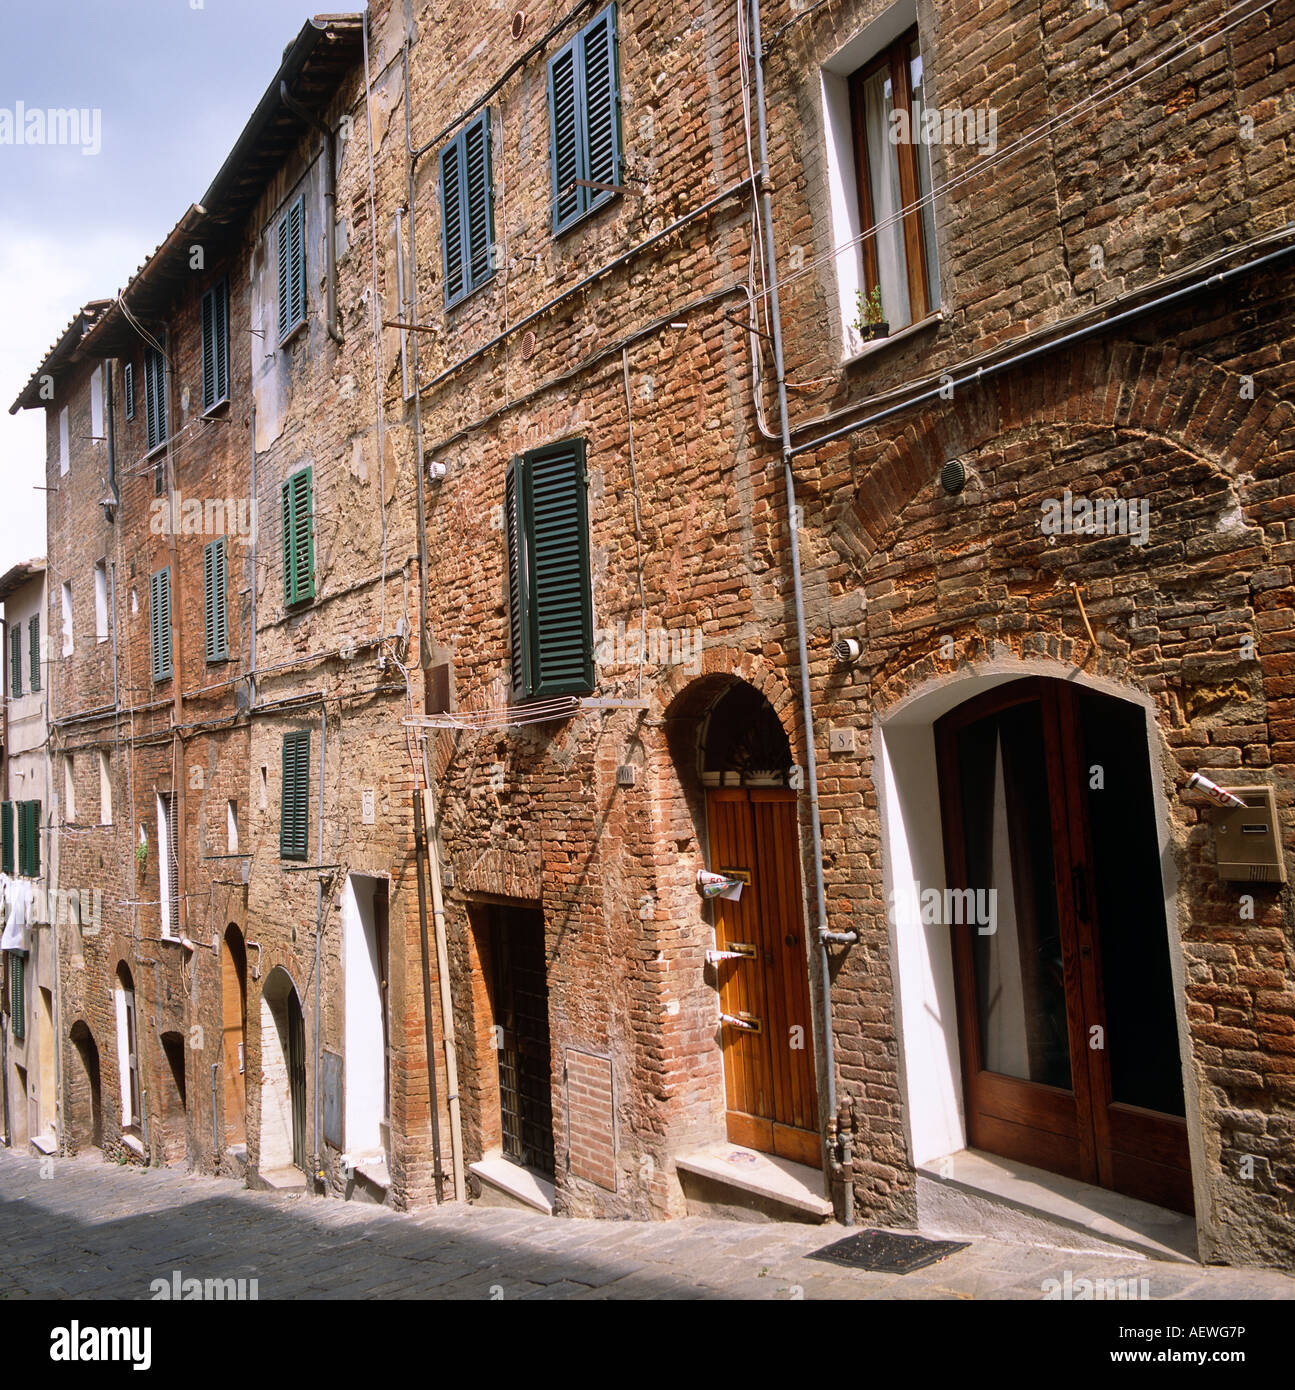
(1156,391)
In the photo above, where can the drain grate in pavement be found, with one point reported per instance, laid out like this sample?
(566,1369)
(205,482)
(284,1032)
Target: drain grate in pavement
(887,1252)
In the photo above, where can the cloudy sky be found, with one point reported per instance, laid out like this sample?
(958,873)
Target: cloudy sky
(175,81)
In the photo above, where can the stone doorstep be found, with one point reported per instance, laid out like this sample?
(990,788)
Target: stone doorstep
(778,1181)
(45,1144)
(279,1180)
(983,1195)
(512,1181)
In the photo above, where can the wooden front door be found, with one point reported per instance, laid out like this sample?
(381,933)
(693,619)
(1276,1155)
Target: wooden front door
(767,1030)
(1065,998)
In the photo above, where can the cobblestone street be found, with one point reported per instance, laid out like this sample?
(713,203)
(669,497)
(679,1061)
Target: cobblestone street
(93,1230)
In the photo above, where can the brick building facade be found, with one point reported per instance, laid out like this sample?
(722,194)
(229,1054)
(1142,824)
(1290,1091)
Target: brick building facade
(613,485)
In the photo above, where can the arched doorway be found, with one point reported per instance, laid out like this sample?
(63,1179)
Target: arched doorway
(233,998)
(767,1033)
(1065,1003)
(85,1100)
(283,1075)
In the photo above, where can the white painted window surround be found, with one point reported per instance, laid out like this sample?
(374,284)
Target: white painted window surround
(842,177)
(64,455)
(96,403)
(101,601)
(67,618)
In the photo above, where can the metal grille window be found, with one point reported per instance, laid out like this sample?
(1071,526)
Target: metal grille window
(467,211)
(6,837)
(155,398)
(522,1014)
(160,616)
(18,994)
(15,660)
(584,121)
(128,389)
(33,633)
(550,608)
(215,345)
(294,816)
(298,540)
(215,619)
(292,267)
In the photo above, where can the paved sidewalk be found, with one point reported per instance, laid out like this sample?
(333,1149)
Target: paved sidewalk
(95,1230)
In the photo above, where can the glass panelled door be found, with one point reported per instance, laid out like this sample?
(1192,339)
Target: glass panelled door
(1065,1003)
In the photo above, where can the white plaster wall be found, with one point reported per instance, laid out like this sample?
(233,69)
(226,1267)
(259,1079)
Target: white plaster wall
(364,1069)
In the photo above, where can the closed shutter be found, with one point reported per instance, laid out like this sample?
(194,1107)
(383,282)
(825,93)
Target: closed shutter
(215,345)
(18,995)
(467,210)
(550,607)
(292,267)
(518,646)
(33,633)
(29,839)
(15,660)
(160,617)
(6,838)
(294,824)
(452,221)
(128,388)
(155,397)
(298,540)
(213,598)
(584,119)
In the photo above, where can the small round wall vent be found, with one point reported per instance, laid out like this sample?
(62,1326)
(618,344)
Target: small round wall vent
(528,344)
(519,24)
(953,476)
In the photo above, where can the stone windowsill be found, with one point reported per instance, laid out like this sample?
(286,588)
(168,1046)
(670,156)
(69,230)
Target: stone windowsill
(877,345)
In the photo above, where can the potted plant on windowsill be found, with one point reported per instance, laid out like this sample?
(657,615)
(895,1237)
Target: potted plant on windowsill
(871,323)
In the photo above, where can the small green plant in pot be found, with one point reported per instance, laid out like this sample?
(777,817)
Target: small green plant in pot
(871,323)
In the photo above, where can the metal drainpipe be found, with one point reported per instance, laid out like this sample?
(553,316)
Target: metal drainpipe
(424,637)
(330,206)
(319,929)
(806,704)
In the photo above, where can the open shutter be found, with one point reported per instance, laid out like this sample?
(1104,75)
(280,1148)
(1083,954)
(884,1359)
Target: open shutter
(33,633)
(294,825)
(285,277)
(172,852)
(213,600)
(479,214)
(601,105)
(452,221)
(15,660)
(128,388)
(564,137)
(221,343)
(209,396)
(519,657)
(29,839)
(298,540)
(557,543)
(160,608)
(6,838)
(297,253)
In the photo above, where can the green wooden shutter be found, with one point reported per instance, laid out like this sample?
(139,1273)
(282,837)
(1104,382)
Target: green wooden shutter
(555,513)
(6,838)
(17,995)
(214,584)
(15,660)
(292,267)
(294,822)
(601,105)
(452,250)
(298,540)
(160,617)
(29,839)
(155,397)
(128,388)
(33,633)
(584,119)
(519,655)
(564,137)
(215,345)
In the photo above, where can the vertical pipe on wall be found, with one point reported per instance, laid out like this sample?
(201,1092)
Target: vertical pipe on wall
(319,930)
(806,702)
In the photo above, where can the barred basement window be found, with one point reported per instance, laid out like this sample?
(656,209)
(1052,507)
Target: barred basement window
(213,600)
(467,211)
(298,540)
(154,398)
(292,268)
(550,608)
(584,121)
(294,818)
(215,345)
(160,618)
